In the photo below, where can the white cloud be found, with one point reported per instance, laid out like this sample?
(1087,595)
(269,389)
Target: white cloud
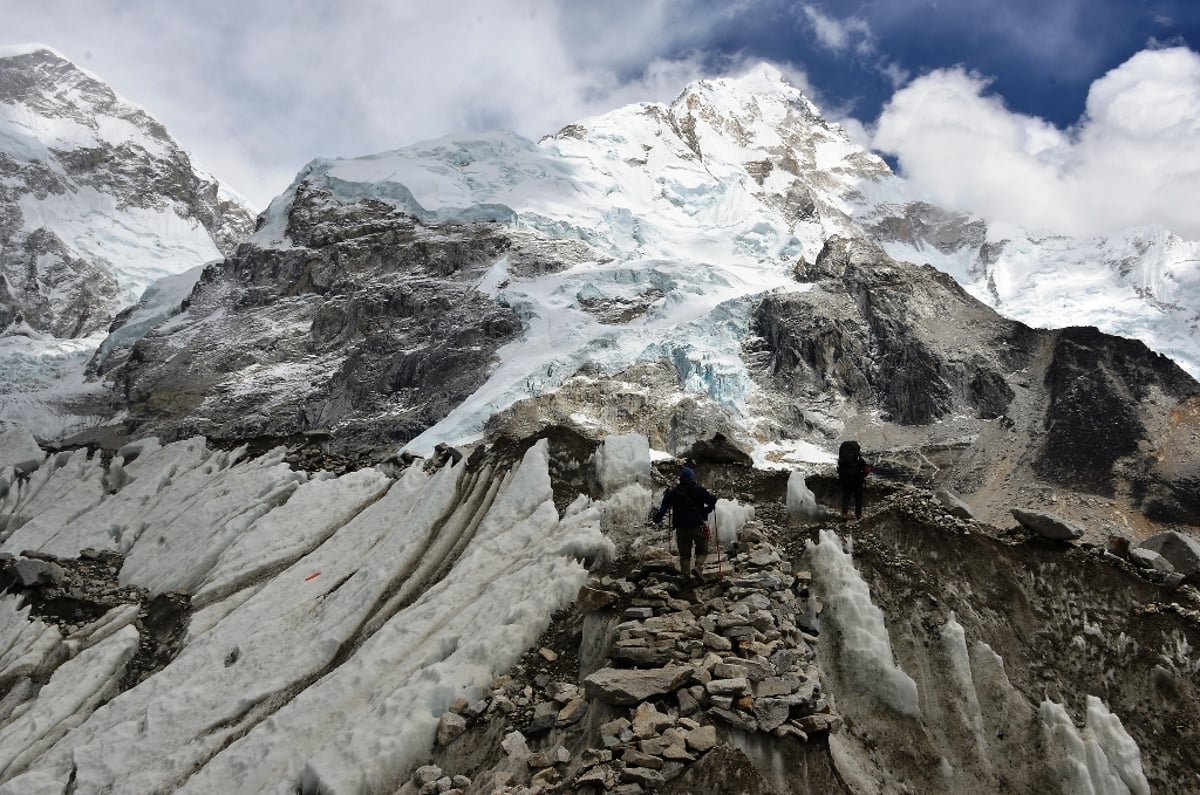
(255,90)
(840,34)
(1132,159)
(895,74)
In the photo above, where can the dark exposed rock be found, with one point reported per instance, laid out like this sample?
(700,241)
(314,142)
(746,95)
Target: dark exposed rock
(392,331)
(81,590)
(720,449)
(1080,409)
(874,331)
(1168,489)
(1095,384)
(44,284)
(923,224)
(724,769)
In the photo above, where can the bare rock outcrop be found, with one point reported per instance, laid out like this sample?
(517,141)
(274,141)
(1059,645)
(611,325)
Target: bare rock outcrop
(369,324)
(888,335)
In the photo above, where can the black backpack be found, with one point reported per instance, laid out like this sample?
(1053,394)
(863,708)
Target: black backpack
(848,455)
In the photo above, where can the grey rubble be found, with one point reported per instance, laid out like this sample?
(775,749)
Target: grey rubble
(640,690)
(679,676)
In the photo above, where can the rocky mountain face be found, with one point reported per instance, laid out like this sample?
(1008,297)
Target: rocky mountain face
(96,200)
(1075,408)
(1142,283)
(370,323)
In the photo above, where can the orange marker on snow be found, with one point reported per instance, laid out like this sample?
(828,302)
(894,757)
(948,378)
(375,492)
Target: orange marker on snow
(312,576)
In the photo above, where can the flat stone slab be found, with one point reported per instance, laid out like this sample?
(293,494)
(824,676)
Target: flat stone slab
(1149,559)
(953,504)
(1048,525)
(629,686)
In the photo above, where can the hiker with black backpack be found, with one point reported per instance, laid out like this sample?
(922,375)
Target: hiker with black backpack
(852,472)
(689,504)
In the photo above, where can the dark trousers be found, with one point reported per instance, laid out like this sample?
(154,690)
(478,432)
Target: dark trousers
(686,537)
(852,487)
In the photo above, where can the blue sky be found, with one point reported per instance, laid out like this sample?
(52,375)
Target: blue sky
(1041,55)
(1078,98)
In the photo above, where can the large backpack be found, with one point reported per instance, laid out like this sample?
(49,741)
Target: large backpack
(848,455)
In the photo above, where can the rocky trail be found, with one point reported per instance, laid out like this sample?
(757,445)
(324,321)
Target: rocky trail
(733,686)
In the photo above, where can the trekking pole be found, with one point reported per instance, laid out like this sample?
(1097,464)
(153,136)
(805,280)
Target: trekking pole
(720,562)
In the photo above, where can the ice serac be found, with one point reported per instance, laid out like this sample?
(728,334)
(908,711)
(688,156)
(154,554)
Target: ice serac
(862,648)
(422,587)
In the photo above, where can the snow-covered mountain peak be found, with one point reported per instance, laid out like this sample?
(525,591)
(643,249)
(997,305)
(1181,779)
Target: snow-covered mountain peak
(100,200)
(57,105)
(97,203)
(738,169)
(761,93)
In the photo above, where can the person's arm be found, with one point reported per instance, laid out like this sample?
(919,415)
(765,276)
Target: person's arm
(662,509)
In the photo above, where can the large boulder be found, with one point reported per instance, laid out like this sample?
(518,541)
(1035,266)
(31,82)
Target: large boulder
(29,573)
(1149,559)
(1048,525)
(953,504)
(1183,552)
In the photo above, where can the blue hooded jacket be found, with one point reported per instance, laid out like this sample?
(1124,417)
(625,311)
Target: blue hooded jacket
(689,502)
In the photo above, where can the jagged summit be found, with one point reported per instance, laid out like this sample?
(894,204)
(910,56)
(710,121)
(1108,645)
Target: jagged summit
(761,91)
(100,200)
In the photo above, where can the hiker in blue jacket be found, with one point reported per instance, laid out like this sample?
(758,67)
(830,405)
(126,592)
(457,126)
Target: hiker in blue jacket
(689,504)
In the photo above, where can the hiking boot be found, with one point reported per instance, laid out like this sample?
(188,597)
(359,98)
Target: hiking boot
(698,576)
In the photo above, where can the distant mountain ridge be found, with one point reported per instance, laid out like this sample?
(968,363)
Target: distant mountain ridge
(673,271)
(1142,283)
(96,201)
